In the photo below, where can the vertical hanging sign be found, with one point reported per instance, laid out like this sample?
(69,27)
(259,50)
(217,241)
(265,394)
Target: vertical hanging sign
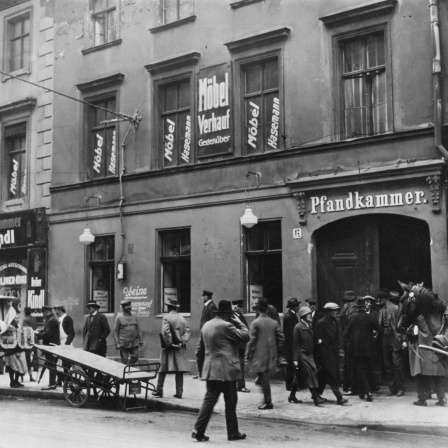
(37,268)
(214,111)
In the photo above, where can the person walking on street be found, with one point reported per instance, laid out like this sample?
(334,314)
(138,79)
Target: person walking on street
(290,320)
(348,299)
(266,343)
(218,362)
(360,333)
(391,341)
(127,334)
(173,357)
(95,331)
(238,306)
(377,366)
(15,360)
(30,321)
(50,336)
(303,350)
(326,352)
(66,333)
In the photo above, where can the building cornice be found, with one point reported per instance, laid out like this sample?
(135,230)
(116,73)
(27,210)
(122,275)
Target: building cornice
(101,83)
(259,39)
(173,62)
(17,106)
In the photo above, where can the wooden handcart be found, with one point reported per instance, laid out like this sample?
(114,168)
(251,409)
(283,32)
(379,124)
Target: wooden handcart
(102,377)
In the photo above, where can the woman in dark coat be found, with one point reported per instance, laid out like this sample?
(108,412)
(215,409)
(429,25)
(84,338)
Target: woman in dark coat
(303,348)
(326,353)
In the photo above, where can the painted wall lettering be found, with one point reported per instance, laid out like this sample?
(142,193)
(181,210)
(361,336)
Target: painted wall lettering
(252,130)
(14,173)
(273,137)
(98,153)
(169,139)
(113,154)
(187,141)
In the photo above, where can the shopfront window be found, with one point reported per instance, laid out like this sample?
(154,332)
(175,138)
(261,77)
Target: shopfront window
(102,268)
(263,246)
(176,268)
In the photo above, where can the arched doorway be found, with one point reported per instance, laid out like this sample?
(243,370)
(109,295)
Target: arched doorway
(366,252)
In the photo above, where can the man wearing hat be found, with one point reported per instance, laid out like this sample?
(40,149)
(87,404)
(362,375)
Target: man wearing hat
(316,313)
(371,309)
(262,351)
(326,352)
(290,320)
(209,307)
(391,343)
(127,334)
(360,333)
(173,357)
(238,308)
(66,333)
(218,362)
(348,299)
(50,336)
(95,331)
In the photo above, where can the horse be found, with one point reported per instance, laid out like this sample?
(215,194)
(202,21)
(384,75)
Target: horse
(417,301)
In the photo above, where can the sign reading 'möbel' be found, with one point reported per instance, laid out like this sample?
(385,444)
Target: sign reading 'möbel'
(214,117)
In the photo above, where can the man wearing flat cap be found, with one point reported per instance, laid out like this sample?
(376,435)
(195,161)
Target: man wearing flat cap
(127,334)
(391,343)
(219,366)
(95,331)
(290,320)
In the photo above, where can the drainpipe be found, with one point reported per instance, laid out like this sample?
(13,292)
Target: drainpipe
(437,77)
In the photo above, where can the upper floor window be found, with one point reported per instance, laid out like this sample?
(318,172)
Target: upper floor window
(261,105)
(105,21)
(15,148)
(18,39)
(174,10)
(175,123)
(364,95)
(103,157)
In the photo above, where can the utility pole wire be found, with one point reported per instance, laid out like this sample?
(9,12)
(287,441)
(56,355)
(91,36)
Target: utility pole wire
(117,114)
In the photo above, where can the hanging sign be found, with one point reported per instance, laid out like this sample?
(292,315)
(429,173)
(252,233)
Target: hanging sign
(214,106)
(37,268)
(139,296)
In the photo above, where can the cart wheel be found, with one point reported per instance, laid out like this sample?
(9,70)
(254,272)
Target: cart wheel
(76,389)
(109,392)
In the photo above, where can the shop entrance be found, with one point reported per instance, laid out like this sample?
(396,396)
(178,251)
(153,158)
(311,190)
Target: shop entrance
(365,253)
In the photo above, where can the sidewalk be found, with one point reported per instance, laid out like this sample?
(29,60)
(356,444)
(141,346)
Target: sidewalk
(385,413)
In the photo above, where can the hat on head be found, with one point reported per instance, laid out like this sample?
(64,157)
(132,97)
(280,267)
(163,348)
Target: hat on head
(360,302)
(292,302)
(304,311)
(47,307)
(383,293)
(394,295)
(262,304)
(239,303)
(125,302)
(93,303)
(60,307)
(349,296)
(311,301)
(224,306)
(171,301)
(207,293)
(331,306)
(369,299)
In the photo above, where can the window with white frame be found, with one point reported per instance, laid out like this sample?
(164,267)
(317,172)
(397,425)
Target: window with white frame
(175,263)
(18,43)
(15,144)
(102,269)
(174,10)
(104,15)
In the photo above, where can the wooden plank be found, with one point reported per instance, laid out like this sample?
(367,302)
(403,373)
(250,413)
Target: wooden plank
(433,349)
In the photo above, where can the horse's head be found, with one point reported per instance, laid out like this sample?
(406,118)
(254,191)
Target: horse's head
(408,311)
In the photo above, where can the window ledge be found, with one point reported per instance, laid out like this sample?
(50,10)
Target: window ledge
(159,29)
(26,104)
(177,61)
(182,314)
(17,73)
(359,13)
(241,3)
(101,47)
(101,83)
(259,39)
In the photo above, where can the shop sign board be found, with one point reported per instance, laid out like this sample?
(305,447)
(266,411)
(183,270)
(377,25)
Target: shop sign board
(141,306)
(214,135)
(255,293)
(101,296)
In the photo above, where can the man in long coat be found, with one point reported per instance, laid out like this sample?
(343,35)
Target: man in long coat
(360,333)
(95,331)
(173,358)
(425,364)
(348,299)
(290,320)
(326,352)
(238,306)
(208,312)
(303,350)
(266,342)
(219,366)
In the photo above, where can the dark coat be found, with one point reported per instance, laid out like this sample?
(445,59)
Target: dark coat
(95,333)
(326,352)
(290,320)
(207,313)
(50,333)
(67,326)
(359,334)
(266,342)
(317,316)
(303,349)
